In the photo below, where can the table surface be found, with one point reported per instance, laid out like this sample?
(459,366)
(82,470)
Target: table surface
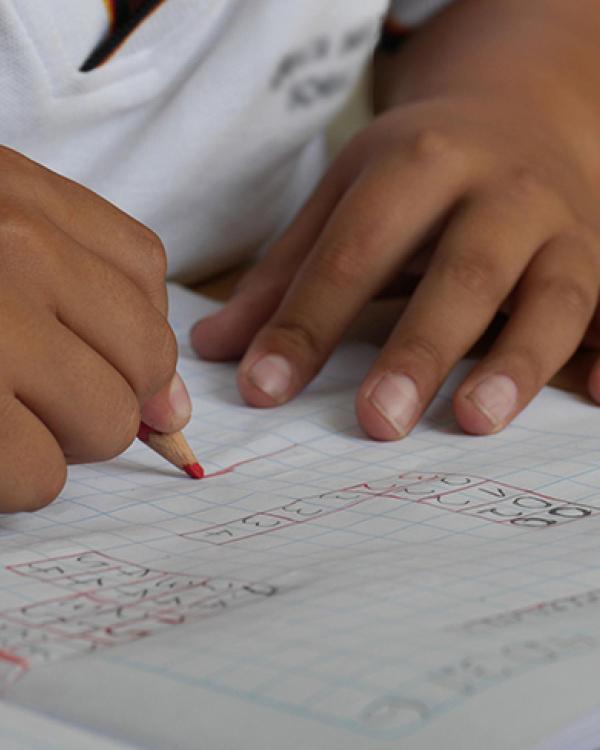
(374,324)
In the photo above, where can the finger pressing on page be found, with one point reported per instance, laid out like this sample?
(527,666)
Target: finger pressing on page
(227,334)
(478,261)
(554,305)
(380,220)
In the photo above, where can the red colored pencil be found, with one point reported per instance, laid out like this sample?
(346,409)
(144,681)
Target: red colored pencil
(174,447)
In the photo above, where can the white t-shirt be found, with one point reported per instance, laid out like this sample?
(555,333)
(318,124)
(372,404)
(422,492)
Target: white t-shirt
(204,123)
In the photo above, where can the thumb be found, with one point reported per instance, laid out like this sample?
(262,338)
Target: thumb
(170,409)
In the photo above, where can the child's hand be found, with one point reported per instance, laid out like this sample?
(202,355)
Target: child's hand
(83,341)
(499,163)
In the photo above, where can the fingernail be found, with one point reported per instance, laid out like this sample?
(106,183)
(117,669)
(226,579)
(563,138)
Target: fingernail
(179,399)
(397,400)
(496,398)
(272,375)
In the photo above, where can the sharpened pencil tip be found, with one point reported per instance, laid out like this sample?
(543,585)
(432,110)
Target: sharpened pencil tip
(195,471)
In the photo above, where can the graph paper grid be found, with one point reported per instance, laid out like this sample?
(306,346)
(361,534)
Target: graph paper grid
(372,589)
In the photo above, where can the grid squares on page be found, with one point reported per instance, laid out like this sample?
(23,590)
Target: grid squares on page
(338,533)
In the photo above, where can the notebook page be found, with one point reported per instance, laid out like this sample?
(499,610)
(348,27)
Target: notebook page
(583,734)
(316,589)
(21,729)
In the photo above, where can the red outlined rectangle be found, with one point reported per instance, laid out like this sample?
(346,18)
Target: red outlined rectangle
(425,488)
(113,612)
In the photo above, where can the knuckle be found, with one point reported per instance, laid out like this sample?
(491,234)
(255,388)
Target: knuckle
(423,351)
(526,360)
(524,184)
(299,337)
(475,273)
(24,242)
(345,262)
(268,278)
(432,143)
(154,253)
(17,226)
(571,294)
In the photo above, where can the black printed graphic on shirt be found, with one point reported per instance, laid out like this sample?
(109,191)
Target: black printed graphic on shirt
(322,68)
(125,16)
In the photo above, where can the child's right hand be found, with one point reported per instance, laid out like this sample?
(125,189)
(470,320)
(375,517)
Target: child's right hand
(85,346)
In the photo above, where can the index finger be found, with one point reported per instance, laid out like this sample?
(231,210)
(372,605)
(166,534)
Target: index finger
(383,217)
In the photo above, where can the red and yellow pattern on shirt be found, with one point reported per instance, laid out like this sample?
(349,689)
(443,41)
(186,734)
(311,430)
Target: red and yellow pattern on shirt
(124,17)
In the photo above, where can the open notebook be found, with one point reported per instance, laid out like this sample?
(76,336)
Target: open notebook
(316,590)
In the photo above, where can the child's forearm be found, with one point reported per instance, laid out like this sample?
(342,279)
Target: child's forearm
(541,52)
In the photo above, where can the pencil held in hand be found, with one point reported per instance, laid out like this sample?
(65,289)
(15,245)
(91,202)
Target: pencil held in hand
(174,448)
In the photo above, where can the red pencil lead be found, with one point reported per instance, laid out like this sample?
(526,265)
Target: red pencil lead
(195,471)
(174,448)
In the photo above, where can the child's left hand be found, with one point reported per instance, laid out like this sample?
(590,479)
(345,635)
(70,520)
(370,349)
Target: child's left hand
(505,178)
